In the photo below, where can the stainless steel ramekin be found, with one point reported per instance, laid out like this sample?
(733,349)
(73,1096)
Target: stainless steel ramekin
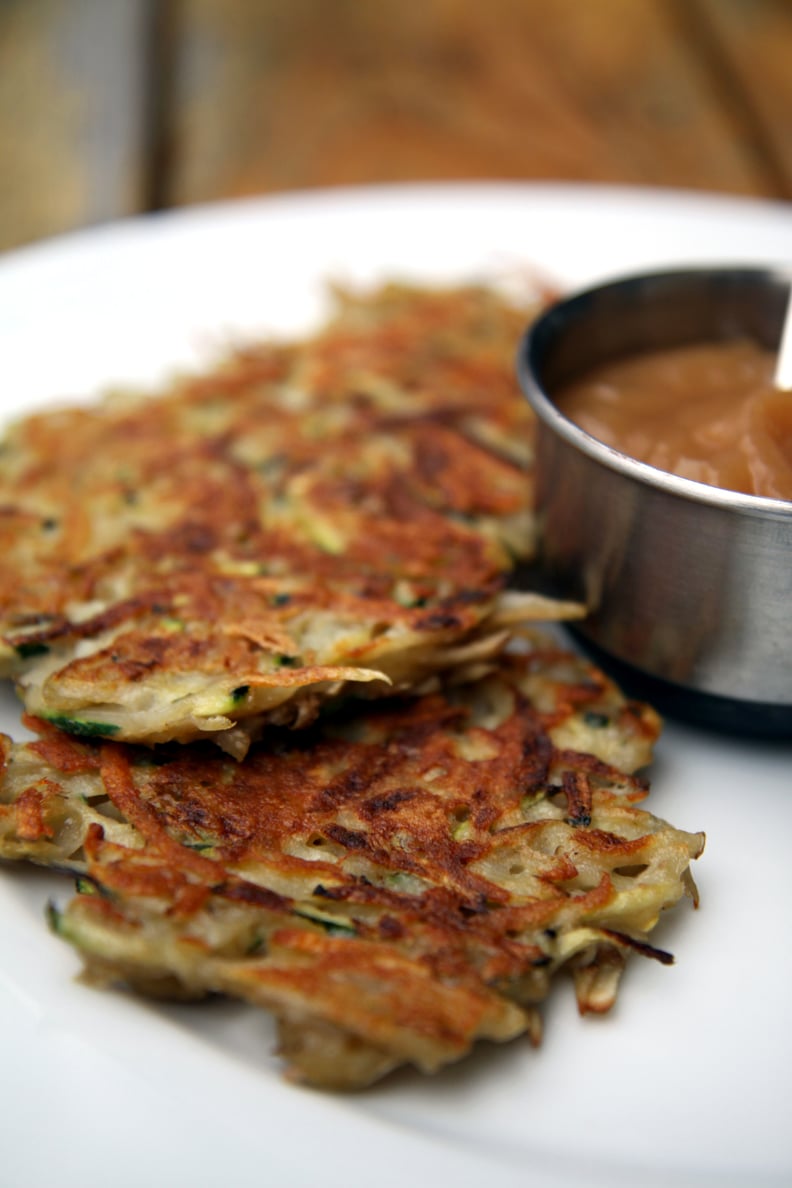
(689,586)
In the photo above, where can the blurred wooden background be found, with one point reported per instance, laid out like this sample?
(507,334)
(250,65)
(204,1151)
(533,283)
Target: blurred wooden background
(112,107)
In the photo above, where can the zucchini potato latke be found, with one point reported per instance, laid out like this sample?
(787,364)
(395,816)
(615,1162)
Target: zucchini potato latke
(393,883)
(340,512)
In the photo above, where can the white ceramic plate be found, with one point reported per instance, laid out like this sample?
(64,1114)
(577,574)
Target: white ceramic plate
(689,1080)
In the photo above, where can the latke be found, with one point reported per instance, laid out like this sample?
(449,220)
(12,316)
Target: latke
(341,512)
(393,885)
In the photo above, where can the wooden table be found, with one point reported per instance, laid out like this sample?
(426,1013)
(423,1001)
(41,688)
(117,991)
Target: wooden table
(112,107)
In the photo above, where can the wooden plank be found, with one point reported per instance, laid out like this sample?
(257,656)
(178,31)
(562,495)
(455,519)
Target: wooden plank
(72,116)
(754,40)
(272,96)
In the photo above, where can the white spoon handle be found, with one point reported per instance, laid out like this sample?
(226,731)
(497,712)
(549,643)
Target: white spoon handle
(783,372)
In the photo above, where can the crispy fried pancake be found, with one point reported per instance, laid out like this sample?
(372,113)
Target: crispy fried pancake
(337,512)
(393,885)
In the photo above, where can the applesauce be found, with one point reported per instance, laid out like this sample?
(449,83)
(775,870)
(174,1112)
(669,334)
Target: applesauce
(706,411)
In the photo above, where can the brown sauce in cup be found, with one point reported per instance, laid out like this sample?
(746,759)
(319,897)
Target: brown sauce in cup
(707,411)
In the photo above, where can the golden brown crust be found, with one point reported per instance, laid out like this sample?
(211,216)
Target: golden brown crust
(309,516)
(393,885)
